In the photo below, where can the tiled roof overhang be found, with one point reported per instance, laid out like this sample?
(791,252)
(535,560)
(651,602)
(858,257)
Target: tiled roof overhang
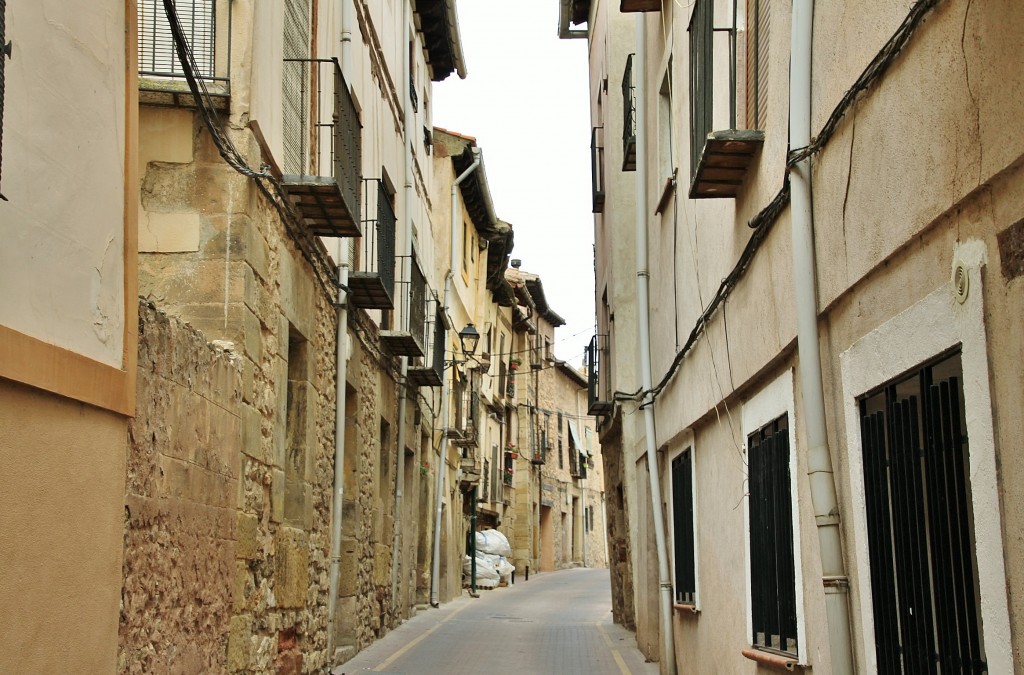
(440,27)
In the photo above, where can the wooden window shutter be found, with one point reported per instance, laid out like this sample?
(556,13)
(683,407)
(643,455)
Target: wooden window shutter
(758,37)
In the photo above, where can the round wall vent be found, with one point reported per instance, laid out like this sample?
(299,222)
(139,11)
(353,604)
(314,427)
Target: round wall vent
(961,282)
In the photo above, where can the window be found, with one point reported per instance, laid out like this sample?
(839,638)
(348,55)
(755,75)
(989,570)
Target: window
(561,453)
(920,532)
(683,529)
(758,32)
(665,148)
(772,573)
(295,87)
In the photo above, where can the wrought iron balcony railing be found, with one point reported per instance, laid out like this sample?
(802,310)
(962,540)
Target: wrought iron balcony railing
(599,398)
(206,25)
(322,147)
(720,154)
(628,117)
(373,281)
(428,370)
(597,168)
(409,337)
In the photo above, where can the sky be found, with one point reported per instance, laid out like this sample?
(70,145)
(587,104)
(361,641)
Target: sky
(525,99)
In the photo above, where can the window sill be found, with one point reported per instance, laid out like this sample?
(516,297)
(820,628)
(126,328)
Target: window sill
(770,660)
(686,610)
(666,194)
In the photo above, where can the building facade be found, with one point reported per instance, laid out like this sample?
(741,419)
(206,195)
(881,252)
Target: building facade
(67,327)
(825,210)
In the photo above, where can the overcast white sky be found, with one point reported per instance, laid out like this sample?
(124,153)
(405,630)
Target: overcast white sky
(525,100)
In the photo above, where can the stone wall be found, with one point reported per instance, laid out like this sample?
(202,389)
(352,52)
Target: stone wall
(181,537)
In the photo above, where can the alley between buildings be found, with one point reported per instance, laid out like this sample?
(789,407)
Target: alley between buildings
(558,622)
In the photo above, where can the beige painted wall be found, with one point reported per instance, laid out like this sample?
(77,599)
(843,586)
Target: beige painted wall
(64,154)
(61,534)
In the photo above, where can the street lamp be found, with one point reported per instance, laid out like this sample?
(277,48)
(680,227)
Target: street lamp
(470,338)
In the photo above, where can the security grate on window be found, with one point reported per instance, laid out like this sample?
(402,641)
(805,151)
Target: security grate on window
(682,528)
(157,56)
(772,570)
(920,528)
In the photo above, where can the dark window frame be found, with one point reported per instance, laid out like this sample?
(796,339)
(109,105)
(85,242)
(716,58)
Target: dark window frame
(774,625)
(683,530)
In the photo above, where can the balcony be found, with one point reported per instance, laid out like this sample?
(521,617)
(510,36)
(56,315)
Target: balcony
(373,283)
(411,292)
(206,27)
(599,398)
(597,168)
(428,371)
(719,160)
(322,148)
(467,408)
(626,6)
(628,117)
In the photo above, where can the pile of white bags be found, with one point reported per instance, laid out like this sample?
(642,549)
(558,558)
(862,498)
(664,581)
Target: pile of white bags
(492,566)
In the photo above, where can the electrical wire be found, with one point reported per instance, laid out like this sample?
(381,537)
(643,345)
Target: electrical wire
(275,193)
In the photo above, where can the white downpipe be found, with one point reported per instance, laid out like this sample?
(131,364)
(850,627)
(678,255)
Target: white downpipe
(403,380)
(445,387)
(668,659)
(819,461)
(341,363)
(583,482)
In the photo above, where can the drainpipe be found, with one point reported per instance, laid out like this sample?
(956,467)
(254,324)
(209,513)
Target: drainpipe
(446,387)
(668,659)
(819,461)
(403,380)
(583,481)
(341,361)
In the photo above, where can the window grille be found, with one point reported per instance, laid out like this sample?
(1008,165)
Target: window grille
(772,571)
(157,56)
(682,529)
(920,531)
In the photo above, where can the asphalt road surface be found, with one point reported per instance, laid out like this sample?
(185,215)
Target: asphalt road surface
(557,622)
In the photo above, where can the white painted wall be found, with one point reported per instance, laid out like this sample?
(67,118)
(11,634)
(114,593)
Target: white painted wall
(62,228)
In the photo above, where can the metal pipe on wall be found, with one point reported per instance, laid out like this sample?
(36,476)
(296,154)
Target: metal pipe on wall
(668,663)
(341,374)
(819,461)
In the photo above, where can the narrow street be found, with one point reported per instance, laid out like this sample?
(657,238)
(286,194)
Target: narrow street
(558,622)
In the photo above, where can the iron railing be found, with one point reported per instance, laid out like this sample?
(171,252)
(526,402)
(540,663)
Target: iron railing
(628,117)
(597,168)
(377,248)
(772,565)
(207,28)
(599,398)
(701,78)
(917,488)
(703,118)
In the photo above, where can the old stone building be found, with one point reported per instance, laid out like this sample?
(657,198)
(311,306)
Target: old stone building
(558,519)
(815,329)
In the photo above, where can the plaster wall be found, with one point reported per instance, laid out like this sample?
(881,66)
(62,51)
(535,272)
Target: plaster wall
(61,535)
(65,150)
